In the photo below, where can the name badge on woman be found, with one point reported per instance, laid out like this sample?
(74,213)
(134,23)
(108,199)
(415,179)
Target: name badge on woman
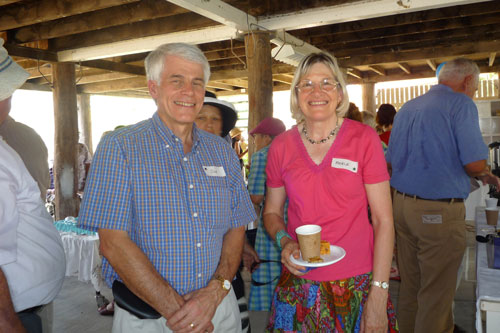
(341,163)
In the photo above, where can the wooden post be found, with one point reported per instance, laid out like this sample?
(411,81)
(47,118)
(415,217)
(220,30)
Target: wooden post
(66,140)
(84,121)
(368,97)
(260,79)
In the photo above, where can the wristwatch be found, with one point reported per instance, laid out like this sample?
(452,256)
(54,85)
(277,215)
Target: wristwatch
(225,284)
(380,284)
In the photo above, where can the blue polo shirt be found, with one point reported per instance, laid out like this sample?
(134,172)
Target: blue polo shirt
(175,206)
(433,137)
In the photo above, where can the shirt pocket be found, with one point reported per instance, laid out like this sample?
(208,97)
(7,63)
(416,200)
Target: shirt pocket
(215,203)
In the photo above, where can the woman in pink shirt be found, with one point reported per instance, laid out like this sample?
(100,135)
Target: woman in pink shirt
(331,169)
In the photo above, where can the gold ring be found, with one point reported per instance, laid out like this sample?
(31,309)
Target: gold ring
(191,325)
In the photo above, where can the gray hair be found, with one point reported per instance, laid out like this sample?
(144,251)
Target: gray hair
(304,66)
(155,61)
(457,69)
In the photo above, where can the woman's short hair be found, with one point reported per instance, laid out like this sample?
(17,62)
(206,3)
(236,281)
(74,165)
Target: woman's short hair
(457,69)
(385,115)
(155,61)
(304,66)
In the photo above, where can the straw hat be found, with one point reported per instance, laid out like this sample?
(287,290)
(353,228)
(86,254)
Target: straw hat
(12,76)
(235,131)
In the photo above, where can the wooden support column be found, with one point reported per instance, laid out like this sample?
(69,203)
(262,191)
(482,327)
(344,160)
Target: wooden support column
(66,140)
(260,79)
(368,97)
(84,121)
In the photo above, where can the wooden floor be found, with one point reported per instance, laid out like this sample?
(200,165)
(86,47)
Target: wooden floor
(75,308)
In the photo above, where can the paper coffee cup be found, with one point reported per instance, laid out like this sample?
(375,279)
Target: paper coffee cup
(309,237)
(491,202)
(491,216)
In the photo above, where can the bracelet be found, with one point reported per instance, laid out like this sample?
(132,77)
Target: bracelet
(279,235)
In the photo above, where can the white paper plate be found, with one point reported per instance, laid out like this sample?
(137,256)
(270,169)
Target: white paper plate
(336,254)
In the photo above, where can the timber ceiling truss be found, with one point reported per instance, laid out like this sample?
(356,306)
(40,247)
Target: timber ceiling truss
(374,40)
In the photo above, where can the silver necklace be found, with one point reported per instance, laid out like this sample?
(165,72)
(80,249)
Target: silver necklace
(314,142)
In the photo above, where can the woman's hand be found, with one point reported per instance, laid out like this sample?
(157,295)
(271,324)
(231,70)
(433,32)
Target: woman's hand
(374,318)
(291,247)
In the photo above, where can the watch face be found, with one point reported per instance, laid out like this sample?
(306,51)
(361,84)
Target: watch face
(226,284)
(385,285)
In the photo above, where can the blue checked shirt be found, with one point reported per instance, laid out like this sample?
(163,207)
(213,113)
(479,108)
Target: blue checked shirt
(176,207)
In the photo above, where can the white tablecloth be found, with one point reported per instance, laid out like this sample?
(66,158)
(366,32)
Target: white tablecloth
(82,257)
(488,279)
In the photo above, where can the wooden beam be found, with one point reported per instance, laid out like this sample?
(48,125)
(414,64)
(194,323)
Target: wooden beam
(260,80)
(32,53)
(218,85)
(351,11)
(283,78)
(27,13)
(354,72)
(405,67)
(460,49)
(97,20)
(238,83)
(377,69)
(491,59)
(65,140)
(111,86)
(164,25)
(115,67)
(431,64)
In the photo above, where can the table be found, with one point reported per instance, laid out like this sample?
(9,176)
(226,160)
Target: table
(82,257)
(488,280)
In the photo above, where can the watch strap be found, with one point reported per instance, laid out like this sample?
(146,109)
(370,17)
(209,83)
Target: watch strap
(279,235)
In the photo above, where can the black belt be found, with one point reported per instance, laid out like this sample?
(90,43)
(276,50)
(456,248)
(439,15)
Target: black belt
(448,200)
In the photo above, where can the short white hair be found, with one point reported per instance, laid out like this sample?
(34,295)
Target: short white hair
(457,69)
(155,61)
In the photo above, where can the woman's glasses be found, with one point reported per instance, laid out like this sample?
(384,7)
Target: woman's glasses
(326,85)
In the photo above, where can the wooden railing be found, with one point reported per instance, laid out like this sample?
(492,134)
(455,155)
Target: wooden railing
(488,89)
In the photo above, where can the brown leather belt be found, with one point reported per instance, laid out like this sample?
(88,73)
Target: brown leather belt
(448,200)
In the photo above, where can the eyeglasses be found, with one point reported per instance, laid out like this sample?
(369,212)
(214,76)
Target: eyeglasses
(256,265)
(326,85)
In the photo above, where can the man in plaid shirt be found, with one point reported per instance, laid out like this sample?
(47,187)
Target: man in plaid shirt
(170,205)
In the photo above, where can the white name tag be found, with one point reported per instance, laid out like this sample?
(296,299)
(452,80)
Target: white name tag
(341,163)
(214,171)
(432,219)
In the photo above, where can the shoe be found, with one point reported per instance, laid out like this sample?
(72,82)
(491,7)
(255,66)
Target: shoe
(101,300)
(107,310)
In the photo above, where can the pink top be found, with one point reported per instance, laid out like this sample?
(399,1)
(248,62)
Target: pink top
(331,194)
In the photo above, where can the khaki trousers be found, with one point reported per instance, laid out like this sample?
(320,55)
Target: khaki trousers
(226,319)
(430,238)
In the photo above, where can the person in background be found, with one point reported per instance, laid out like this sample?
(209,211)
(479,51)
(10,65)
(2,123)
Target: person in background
(267,264)
(385,118)
(219,117)
(32,259)
(23,139)
(239,145)
(436,146)
(330,168)
(369,119)
(353,113)
(216,116)
(170,206)
(84,160)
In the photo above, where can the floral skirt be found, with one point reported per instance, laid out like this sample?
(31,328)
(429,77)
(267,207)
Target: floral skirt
(301,305)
